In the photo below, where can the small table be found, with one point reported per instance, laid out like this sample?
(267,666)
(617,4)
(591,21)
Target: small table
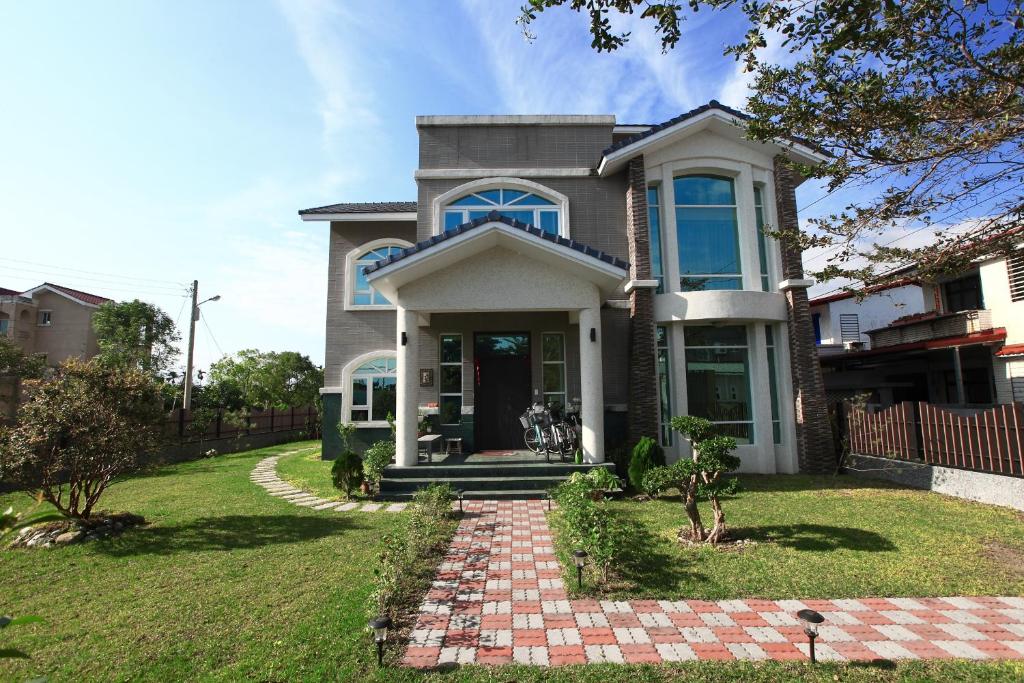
(429,440)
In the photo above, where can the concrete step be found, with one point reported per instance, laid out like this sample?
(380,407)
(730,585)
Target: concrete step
(474,483)
(475,471)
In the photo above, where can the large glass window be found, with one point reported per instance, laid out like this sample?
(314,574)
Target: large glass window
(451,379)
(362,294)
(521,206)
(773,384)
(718,378)
(707,233)
(374,387)
(553,368)
(664,387)
(762,241)
(654,235)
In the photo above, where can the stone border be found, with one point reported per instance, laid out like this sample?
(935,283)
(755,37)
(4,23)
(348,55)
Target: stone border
(265,475)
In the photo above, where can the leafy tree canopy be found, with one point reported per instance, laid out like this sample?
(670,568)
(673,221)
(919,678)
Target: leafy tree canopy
(135,334)
(925,97)
(15,362)
(253,378)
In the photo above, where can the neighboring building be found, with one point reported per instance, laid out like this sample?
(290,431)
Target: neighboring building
(959,341)
(52,320)
(568,258)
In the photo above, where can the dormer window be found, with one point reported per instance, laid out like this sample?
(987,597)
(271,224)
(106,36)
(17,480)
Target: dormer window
(526,207)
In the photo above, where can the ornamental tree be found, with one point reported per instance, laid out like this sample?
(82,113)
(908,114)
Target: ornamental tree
(700,477)
(923,98)
(78,431)
(135,334)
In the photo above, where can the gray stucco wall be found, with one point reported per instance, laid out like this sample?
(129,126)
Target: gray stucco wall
(350,333)
(513,146)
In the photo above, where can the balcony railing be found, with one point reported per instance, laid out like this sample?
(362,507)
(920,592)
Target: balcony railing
(929,326)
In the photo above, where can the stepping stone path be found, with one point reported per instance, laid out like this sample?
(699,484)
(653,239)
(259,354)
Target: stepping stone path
(498,598)
(265,475)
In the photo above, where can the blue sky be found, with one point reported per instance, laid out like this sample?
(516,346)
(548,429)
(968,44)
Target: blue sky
(144,144)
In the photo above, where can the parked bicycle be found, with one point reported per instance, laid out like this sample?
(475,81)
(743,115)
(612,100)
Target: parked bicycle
(547,431)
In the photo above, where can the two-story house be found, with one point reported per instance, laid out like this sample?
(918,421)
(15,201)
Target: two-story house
(570,259)
(52,320)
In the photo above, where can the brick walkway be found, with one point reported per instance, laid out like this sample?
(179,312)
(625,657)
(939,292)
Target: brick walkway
(498,598)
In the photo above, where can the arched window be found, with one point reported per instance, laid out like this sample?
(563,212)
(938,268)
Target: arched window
(520,205)
(374,390)
(707,233)
(360,293)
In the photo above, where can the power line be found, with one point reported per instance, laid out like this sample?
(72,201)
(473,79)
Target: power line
(118,286)
(210,332)
(93,272)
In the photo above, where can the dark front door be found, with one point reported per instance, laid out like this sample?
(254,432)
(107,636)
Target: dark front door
(502,369)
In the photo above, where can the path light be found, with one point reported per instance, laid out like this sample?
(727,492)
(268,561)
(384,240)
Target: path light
(579,557)
(811,620)
(460,493)
(380,627)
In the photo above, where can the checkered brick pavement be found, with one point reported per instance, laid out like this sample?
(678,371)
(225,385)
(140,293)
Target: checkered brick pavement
(498,598)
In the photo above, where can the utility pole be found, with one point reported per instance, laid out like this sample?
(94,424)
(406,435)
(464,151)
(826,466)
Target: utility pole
(186,403)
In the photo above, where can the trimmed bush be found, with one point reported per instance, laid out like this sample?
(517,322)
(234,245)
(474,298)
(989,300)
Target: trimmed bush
(347,473)
(376,458)
(646,454)
(588,523)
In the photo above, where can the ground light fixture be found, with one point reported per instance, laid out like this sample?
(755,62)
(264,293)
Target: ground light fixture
(460,493)
(380,627)
(811,619)
(579,557)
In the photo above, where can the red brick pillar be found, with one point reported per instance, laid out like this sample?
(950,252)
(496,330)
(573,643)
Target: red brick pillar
(642,418)
(815,447)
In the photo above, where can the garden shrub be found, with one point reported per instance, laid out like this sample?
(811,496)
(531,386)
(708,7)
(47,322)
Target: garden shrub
(646,454)
(619,456)
(408,558)
(590,524)
(376,459)
(347,473)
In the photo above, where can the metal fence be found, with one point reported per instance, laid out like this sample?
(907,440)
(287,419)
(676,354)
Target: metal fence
(195,426)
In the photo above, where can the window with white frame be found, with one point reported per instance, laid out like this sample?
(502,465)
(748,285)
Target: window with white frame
(664,386)
(450,406)
(718,378)
(762,240)
(773,383)
(45,318)
(526,207)
(707,233)
(361,293)
(654,235)
(374,390)
(553,368)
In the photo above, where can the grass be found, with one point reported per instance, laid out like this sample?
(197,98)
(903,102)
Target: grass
(825,538)
(228,583)
(308,472)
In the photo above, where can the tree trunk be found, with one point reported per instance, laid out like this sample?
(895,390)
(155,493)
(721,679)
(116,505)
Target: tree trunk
(718,531)
(690,504)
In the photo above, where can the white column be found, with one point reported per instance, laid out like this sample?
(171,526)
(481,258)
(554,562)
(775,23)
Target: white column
(591,385)
(407,418)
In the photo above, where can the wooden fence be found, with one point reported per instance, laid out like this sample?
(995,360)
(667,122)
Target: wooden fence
(194,426)
(989,440)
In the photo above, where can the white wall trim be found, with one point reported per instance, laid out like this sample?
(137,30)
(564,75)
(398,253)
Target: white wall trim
(640,284)
(346,384)
(349,274)
(516,120)
(794,283)
(448,173)
(362,217)
(483,184)
(48,288)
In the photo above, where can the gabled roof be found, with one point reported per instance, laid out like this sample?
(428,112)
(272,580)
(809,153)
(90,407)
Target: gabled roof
(495,217)
(357,209)
(635,143)
(73,294)
(8,292)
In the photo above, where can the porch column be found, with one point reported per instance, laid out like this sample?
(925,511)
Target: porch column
(591,385)
(407,358)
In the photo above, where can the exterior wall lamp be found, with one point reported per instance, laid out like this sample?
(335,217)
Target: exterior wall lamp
(579,558)
(593,334)
(380,627)
(811,620)
(405,339)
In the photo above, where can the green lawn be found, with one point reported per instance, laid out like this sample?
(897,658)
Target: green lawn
(825,538)
(307,471)
(229,583)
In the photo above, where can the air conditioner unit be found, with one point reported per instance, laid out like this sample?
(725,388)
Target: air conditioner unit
(853,345)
